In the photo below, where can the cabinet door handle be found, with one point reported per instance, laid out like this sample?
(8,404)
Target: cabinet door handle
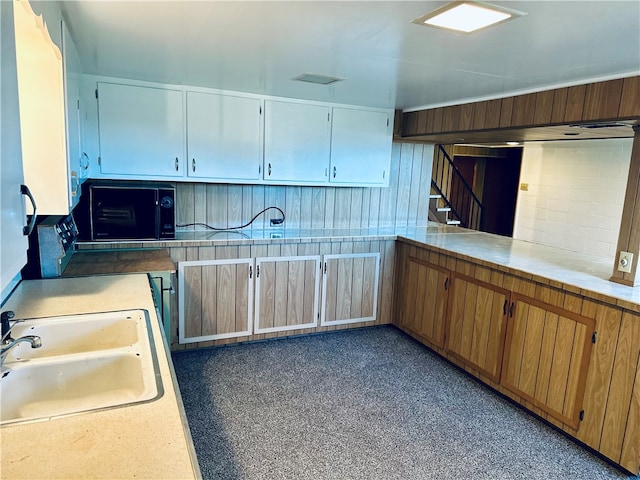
(446,283)
(75,183)
(504,308)
(177,164)
(193,164)
(259,169)
(84,161)
(511,309)
(269,171)
(26,230)
(334,172)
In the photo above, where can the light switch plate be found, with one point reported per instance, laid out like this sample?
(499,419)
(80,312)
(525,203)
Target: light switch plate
(625,262)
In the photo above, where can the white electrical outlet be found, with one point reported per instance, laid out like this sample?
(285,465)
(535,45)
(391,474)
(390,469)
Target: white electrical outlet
(625,262)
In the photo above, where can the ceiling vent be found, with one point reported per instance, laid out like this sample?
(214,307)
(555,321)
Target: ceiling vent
(318,79)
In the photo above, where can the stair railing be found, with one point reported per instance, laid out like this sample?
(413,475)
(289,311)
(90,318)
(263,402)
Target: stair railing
(455,191)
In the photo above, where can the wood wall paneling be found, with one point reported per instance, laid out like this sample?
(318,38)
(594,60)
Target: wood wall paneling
(479,116)
(559,105)
(630,98)
(602,100)
(506,111)
(575,103)
(437,119)
(523,110)
(466,116)
(494,110)
(543,107)
(451,118)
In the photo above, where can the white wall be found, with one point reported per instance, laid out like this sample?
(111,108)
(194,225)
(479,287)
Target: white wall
(576,193)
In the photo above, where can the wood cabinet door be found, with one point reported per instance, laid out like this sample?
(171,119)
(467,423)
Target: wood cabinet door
(215,299)
(477,314)
(296,142)
(547,356)
(287,291)
(141,130)
(350,288)
(424,300)
(223,137)
(360,147)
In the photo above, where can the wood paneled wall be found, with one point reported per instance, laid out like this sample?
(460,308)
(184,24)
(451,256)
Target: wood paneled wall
(404,203)
(600,101)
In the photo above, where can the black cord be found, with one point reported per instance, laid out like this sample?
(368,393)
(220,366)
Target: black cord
(277,221)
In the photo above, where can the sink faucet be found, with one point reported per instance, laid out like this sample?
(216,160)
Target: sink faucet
(8,342)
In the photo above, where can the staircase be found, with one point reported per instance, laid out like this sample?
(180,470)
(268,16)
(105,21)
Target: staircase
(452,200)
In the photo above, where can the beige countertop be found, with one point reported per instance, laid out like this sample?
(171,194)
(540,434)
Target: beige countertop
(578,272)
(145,440)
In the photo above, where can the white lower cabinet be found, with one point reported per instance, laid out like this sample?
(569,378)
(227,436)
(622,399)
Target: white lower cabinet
(350,288)
(221,299)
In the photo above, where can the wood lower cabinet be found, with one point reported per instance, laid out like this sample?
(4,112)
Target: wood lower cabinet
(533,342)
(287,290)
(477,324)
(215,298)
(350,288)
(547,356)
(424,300)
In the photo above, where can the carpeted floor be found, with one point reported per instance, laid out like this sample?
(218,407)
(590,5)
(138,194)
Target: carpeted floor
(361,404)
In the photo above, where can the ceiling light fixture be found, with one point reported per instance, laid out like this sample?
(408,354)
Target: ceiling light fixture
(467,17)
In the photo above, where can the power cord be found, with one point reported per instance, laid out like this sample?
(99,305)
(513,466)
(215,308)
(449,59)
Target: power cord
(274,221)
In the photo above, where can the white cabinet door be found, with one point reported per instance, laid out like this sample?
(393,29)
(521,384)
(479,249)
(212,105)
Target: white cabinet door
(296,142)
(350,288)
(12,214)
(141,130)
(360,147)
(71,74)
(42,112)
(223,137)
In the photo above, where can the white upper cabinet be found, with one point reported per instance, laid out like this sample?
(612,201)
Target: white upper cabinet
(141,131)
(72,72)
(296,142)
(360,147)
(224,137)
(13,254)
(41,97)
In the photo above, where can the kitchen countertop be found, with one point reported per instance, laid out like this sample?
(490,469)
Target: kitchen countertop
(145,440)
(577,272)
(119,261)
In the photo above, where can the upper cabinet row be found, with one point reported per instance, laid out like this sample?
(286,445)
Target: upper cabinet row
(149,132)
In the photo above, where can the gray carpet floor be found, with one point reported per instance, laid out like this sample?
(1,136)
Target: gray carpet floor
(361,404)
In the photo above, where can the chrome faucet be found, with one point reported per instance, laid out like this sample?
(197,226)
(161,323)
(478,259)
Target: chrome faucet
(8,342)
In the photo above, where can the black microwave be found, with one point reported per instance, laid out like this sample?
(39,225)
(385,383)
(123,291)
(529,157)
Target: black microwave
(131,211)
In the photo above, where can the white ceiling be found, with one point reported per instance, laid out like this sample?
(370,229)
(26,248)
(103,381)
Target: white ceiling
(386,60)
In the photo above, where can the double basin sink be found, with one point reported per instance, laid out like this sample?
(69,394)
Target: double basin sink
(86,363)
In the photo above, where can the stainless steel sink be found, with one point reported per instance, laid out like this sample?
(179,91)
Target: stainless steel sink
(86,363)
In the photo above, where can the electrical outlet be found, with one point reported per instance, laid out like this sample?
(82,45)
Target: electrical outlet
(625,262)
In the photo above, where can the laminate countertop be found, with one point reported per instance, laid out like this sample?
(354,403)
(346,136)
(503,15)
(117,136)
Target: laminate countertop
(144,440)
(106,262)
(578,272)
